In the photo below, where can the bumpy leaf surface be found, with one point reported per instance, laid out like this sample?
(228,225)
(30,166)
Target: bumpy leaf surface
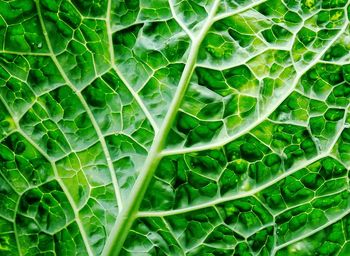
(174,127)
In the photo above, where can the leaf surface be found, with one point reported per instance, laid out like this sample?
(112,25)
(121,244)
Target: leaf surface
(189,127)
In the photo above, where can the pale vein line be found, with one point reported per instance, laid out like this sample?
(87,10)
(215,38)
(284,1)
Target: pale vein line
(72,152)
(94,123)
(262,118)
(19,195)
(313,231)
(243,9)
(138,100)
(235,63)
(15,228)
(115,68)
(58,178)
(311,200)
(25,53)
(253,191)
(87,109)
(233,197)
(173,235)
(338,63)
(176,18)
(137,22)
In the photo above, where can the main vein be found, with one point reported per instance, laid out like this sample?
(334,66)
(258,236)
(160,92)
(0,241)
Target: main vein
(127,216)
(129,213)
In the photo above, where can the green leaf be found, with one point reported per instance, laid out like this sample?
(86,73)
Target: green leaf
(174,127)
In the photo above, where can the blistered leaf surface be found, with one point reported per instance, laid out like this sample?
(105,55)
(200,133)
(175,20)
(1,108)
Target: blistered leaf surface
(174,127)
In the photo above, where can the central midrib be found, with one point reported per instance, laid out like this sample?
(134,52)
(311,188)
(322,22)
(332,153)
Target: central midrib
(127,216)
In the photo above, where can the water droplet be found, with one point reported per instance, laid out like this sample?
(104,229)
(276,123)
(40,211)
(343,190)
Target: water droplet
(40,45)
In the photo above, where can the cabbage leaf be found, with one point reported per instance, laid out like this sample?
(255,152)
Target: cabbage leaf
(174,127)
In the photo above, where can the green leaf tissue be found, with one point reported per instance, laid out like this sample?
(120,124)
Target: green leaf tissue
(174,127)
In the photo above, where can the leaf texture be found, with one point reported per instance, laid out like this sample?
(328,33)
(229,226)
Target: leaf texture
(174,127)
